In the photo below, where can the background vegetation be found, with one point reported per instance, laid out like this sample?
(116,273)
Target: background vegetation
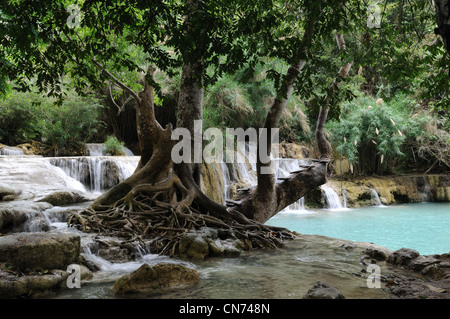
(402,63)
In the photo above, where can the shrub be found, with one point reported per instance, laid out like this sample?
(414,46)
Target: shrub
(25,116)
(370,133)
(114,147)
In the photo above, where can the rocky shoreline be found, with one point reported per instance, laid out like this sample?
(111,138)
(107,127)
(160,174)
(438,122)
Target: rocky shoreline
(35,257)
(32,265)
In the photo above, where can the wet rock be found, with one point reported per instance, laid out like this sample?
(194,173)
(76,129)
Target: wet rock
(377,252)
(15,286)
(433,272)
(114,254)
(323,290)
(39,251)
(15,215)
(421,262)
(151,278)
(193,244)
(207,242)
(64,198)
(8,194)
(36,283)
(403,256)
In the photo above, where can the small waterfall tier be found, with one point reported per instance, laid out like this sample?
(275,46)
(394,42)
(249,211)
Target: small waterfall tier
(331,197)
(97,173)
(9,151)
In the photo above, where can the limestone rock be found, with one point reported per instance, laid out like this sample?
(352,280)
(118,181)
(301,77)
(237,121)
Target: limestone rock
(323,290)
(206,242)
(403,256)
(15,215)
(64,198)
(377,252)
(151,278)
(40,251)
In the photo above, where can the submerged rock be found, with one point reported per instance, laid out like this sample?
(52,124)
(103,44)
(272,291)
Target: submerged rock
(151,278)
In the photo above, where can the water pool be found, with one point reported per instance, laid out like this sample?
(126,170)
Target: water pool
(424,227)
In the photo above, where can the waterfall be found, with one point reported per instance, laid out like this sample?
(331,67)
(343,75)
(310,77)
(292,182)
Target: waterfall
(243,170)
(97,173)
(331,197)
(226,181)
(11,151)
(344,197)
(375,198)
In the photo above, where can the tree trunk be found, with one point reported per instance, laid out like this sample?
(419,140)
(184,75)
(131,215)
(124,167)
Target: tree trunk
(443,21)
(162,199)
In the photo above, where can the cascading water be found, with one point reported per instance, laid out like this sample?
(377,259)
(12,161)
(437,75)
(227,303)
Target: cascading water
(375,198)
(244,170)
(97,172)
(331,197)
(10,151)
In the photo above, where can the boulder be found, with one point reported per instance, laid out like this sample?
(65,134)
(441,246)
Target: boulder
(377,252)
(15,216)
(13,285)
(193,244)
(206,242)
(403,256)
(151,278)
(39,251)
(64,198)
(323,290)
(8,194)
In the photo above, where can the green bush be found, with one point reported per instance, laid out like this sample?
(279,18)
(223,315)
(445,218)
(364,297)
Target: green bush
(114,147)
(18,121)
(243,100)
(370,133)
(26,116)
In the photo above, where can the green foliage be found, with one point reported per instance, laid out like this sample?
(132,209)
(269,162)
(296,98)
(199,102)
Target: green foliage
(370,133)
(26,116)
(17,118)
(113,147)
(244,98)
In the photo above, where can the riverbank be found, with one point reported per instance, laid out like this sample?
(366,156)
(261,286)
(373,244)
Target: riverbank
(37,197)
(365,191)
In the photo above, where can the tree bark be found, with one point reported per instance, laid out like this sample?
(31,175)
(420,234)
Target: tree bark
(443,21)
(323,145)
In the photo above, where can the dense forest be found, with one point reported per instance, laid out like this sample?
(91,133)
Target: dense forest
(350,79)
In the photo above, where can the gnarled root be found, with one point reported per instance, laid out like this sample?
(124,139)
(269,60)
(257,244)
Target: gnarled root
(159,214)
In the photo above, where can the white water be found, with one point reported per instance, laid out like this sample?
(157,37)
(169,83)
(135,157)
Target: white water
(244,171)
(97,173)
(375,197)
(10,151)
(331,197)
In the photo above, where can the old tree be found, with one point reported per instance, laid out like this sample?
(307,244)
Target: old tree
(98,44)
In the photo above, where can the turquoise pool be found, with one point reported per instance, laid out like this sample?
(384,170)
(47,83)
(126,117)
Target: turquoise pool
(424,227)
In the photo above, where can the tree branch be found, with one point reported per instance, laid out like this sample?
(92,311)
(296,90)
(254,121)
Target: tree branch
(117,81)
(266,182)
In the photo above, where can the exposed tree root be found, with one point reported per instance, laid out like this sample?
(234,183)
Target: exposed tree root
(157,215)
